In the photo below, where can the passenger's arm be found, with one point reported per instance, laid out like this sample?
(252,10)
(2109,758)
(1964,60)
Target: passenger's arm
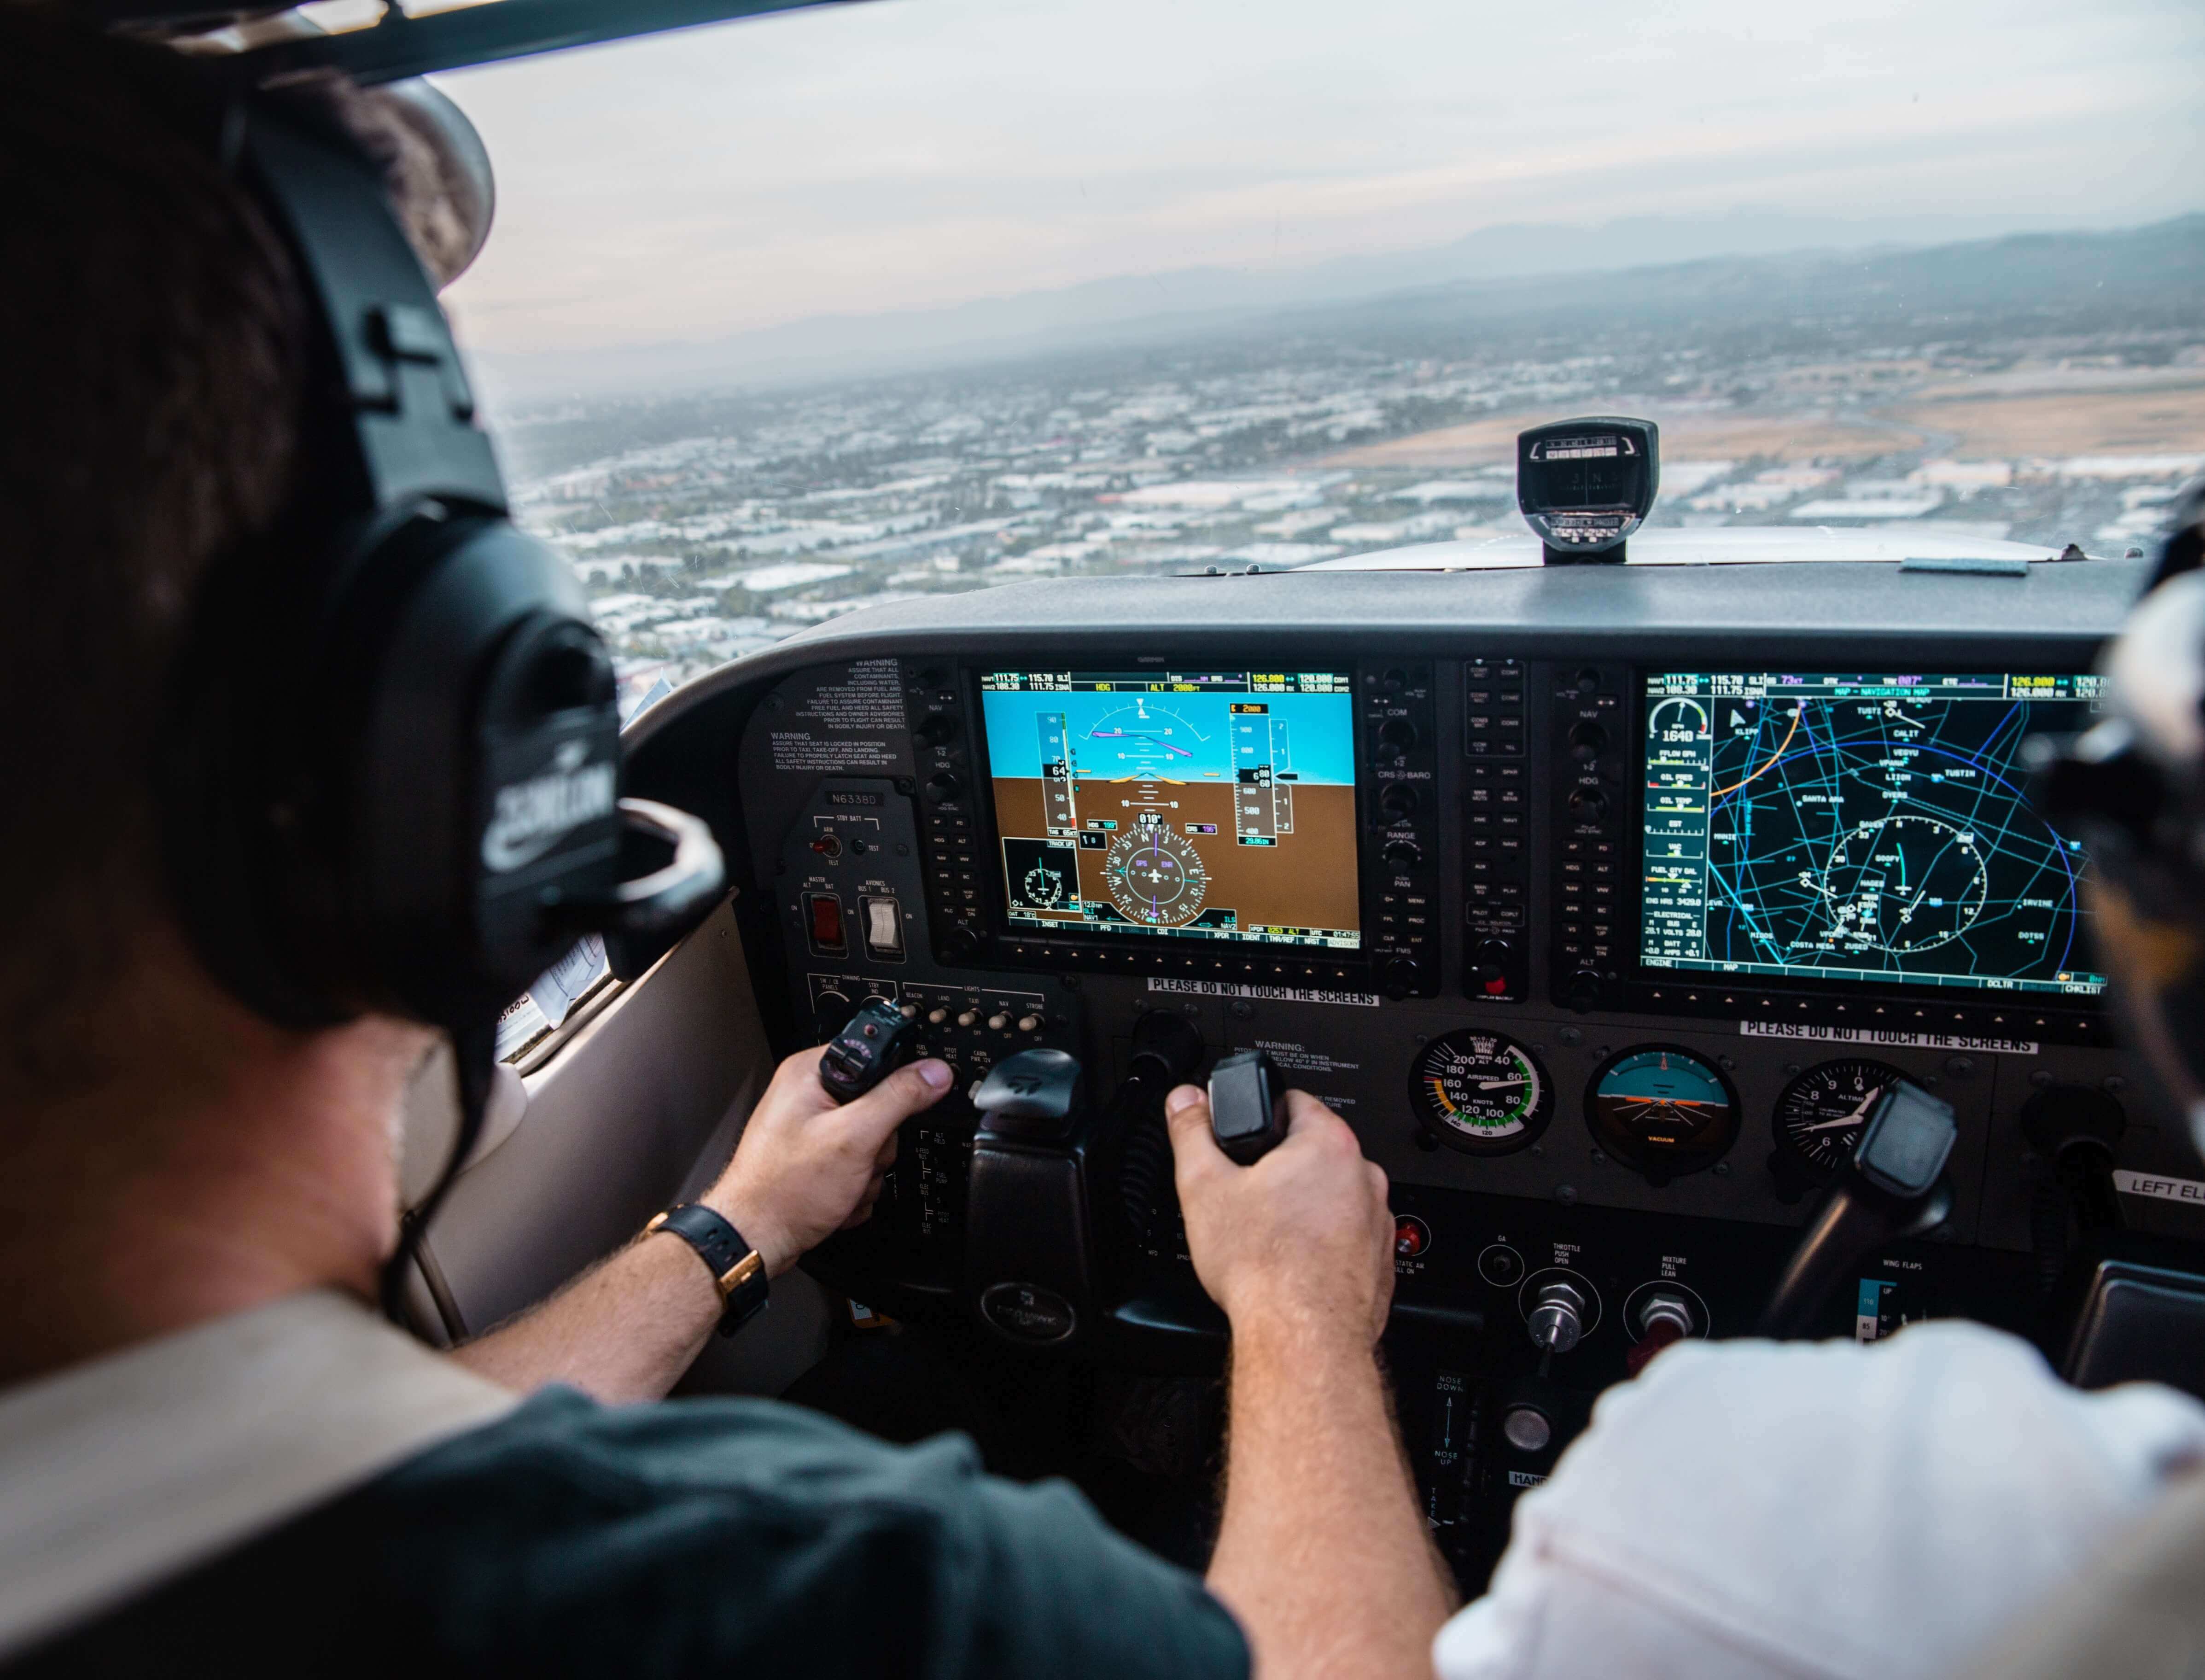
(627,1327)
(1323,1554)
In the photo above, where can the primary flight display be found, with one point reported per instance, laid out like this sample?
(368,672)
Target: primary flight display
(1201,805)
(1859,827)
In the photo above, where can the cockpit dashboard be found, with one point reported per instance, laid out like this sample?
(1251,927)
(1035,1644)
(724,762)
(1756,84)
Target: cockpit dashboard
(1600,901)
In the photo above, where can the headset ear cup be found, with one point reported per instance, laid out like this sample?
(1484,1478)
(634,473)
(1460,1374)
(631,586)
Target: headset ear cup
(485,777)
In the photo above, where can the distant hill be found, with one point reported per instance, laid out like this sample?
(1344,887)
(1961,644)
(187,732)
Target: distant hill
(2053,281)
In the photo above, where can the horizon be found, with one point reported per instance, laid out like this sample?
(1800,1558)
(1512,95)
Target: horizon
(913,156)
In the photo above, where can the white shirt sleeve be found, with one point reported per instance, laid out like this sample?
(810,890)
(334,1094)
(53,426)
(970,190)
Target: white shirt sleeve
(1750,1510)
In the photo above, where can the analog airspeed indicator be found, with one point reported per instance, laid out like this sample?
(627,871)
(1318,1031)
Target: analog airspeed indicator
(1481,1092)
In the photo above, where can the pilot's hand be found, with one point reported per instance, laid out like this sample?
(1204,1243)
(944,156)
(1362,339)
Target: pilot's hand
(806,1166)
(1302,1239)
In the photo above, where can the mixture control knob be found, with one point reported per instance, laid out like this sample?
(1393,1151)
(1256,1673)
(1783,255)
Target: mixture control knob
(1558,1316)
(1495,957)
(1587,742)
(1588,804)
(1399,801)
(1395,737)
(1404,854)
(936,729)
(1667,1314)
(1584,990)
(944,786)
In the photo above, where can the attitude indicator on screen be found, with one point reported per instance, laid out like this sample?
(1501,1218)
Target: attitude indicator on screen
(1200,805)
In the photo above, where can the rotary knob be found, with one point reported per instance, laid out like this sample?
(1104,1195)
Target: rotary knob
(1587,742)
(1588,804)
(944,786)
(1404,854)
(1402,975)
(1557,1317)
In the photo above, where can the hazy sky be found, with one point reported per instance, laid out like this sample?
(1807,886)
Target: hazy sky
(911,152)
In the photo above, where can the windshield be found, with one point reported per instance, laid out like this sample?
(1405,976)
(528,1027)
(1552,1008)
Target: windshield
(786,317)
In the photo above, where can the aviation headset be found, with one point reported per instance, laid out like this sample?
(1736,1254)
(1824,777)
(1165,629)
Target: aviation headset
(389,779)
(2132,789)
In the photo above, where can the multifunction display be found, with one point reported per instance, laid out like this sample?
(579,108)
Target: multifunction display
(1192,805)
(1859,827)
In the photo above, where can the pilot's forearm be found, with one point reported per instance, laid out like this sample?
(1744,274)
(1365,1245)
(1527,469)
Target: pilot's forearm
(623,1331)
(1323,1554)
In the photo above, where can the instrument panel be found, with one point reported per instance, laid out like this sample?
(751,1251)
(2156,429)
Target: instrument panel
(1602,907)
(1597,934)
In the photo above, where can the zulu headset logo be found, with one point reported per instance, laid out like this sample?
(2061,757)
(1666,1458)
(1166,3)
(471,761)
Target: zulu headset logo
(534,815)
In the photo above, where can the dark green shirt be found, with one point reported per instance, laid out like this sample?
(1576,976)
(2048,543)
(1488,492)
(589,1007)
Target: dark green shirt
(699,1539)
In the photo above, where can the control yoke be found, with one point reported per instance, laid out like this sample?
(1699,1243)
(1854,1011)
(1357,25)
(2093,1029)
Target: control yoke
(1893,1186)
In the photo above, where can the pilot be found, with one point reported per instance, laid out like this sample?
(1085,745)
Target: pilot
(214,1456)
(1939,1502)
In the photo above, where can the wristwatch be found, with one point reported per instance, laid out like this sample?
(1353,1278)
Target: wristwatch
(738,1269)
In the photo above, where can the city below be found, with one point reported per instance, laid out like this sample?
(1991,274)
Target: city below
(707,527)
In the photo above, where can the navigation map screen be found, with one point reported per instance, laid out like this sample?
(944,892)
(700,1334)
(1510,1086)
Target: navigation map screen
(1859,827)
(1192,805)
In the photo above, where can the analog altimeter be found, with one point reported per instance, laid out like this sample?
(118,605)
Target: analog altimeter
(1820,1113)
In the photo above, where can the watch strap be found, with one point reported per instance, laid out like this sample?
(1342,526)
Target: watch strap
(738,1270)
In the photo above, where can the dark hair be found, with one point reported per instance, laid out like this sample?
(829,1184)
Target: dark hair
(150,372)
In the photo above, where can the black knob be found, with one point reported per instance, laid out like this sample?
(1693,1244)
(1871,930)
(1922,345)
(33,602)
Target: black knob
(1395,737)
(1404,854)
(1584,990)
(1399,801)
(830,1013)
(1587,742)
(958,944)
(1402,975)
(1588,804)
(1588,680)
(936,729)
(942,787)
(1495,957)
(1394,681)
